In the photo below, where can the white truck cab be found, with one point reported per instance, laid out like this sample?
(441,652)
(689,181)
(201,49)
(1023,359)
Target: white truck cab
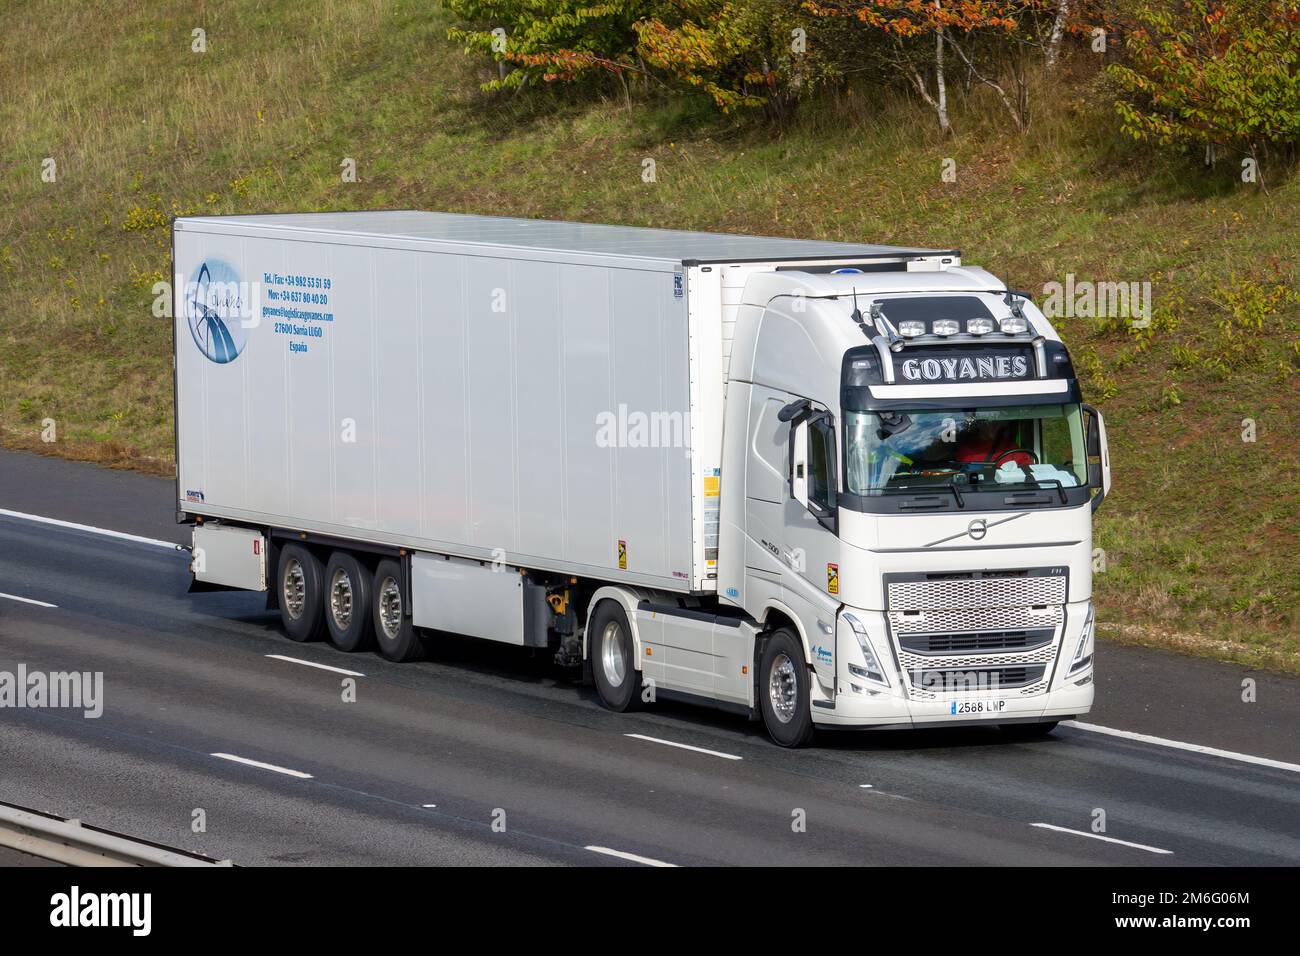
(906,491)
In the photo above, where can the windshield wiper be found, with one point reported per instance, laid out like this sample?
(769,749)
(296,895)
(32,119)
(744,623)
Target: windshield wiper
(926,489)
(1043,483)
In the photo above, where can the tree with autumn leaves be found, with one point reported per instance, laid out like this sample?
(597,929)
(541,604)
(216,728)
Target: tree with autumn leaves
(1213,74)
(1182,71)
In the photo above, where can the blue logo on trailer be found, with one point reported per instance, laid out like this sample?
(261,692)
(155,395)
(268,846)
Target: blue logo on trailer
(214,305)
(677,285)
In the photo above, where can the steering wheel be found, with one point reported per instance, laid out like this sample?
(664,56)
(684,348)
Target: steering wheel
(997,459)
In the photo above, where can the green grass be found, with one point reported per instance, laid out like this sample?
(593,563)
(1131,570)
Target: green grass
(1201,533)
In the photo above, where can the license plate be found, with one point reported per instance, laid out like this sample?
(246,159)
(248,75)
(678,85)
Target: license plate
(976,708)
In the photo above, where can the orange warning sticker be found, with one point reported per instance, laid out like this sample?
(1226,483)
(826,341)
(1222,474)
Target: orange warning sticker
(833,578)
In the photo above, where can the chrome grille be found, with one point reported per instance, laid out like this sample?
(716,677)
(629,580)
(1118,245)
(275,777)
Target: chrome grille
(950,679)
(1000,627)
(972,642)
(1042,655)
(976,592)
(976,619)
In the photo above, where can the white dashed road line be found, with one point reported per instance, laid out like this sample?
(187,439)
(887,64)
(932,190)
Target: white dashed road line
(324,667)
(1179,745)
(631,857)
(698,750)
(23,600)
(265,766)
(1098,836)
(105,532)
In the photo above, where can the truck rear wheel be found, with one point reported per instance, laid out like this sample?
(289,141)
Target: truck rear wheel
(784,690)
(300,580)
(347,602)
(394,632)
(613,657)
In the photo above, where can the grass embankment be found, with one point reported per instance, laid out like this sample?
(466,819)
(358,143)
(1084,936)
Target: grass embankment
(1203,530)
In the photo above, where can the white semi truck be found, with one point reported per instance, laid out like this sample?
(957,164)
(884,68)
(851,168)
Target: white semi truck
(825,485)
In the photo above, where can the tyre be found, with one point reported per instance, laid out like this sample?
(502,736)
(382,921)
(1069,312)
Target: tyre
(394,632)
(784,690)
(300,579)
(347,602)
(1028,731)
(613,658)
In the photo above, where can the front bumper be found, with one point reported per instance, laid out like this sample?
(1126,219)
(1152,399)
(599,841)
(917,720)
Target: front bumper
(855,703)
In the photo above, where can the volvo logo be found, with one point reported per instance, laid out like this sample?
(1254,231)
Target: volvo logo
(977,529)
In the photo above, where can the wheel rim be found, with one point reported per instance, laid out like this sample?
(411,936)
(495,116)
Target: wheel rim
(341,599)
(295,589)
(783,688)
(390,608)
(612,659)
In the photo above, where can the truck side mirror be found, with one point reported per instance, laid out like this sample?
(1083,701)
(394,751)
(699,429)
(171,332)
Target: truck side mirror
(799,463)
(1097,447)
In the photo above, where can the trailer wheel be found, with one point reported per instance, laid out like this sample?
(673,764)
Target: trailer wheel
(300,580)
(347,602)
(394,632)
(613,661)
(784,690)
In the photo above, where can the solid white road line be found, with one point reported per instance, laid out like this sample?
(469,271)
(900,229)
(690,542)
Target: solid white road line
(15,597)
(698,750)
(120,535)
(324,667)
(1098,836)
(1179,745)
(265,766)
(632,857)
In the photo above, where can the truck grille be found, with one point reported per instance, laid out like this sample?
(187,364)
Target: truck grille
(976,631)
(949,680)
(977,590)
(976,641)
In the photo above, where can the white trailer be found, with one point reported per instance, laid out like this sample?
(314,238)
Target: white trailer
(558,435)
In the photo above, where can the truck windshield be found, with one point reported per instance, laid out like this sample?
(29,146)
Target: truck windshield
(975,449)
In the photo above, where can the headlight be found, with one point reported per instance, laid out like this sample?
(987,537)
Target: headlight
(1014,326)
(873,671)
(1083,652)
(911,328)
(945,326)
(979,326)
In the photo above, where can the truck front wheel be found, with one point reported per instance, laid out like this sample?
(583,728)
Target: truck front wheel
(394,632)
(300,580)
(613,661)
(783,690)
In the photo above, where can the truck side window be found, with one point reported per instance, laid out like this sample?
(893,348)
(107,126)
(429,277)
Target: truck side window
(821,466)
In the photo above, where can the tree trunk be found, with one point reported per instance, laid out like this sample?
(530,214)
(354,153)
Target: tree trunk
(1058,30)
(941,104)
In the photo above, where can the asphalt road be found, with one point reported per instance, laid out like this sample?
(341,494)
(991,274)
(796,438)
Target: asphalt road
(486,756)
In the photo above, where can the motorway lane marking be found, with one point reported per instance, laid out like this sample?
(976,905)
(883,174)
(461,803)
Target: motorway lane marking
(264,766)
(121,535)
(1179,745)
(645,860)
(15,597)
(324,667)
(1098,836)
(698,750)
